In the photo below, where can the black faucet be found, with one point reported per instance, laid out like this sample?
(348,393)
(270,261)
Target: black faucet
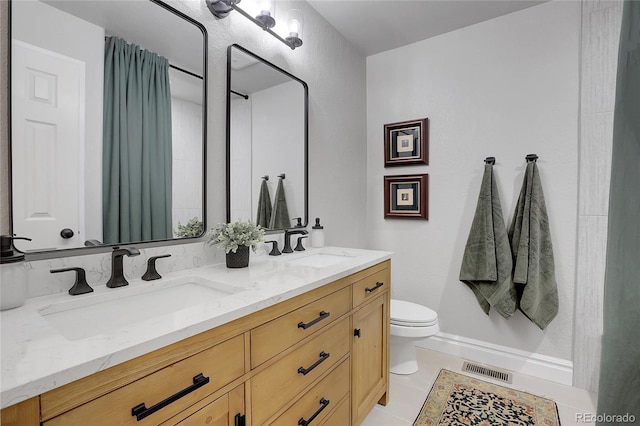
(287,238)
(117,274)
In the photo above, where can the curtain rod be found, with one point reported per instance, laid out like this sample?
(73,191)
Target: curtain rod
(185,71)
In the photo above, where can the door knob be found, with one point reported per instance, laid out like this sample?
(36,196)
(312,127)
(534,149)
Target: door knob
(66,233)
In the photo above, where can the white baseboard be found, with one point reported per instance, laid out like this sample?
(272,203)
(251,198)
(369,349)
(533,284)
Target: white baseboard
(549,368)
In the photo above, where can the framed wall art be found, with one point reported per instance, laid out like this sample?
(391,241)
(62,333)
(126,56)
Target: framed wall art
(406,142)
(406,196)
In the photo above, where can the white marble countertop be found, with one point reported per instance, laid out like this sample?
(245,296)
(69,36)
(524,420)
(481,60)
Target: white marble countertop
(38,354)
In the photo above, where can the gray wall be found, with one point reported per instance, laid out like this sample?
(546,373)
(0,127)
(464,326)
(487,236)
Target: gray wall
(506,87)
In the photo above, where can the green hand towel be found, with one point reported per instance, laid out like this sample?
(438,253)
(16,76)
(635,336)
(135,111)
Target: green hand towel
(280,215)
(264,206)
(486,264)
(534,270)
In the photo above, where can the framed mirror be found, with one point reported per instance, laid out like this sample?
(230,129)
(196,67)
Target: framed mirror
(267,143)
(108,123)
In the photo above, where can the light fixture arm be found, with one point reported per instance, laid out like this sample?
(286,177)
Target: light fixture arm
(221,9)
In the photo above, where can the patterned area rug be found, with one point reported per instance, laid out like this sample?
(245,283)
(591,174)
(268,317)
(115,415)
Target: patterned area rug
(456,399)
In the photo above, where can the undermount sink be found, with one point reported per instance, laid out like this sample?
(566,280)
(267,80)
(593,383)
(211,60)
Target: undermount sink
(320,260)
(113,309)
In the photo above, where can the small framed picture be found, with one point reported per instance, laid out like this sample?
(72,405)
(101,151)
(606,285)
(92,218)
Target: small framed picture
(406,196)
(406,142)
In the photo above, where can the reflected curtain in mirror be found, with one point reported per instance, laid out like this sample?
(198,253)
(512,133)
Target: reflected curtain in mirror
(136,145)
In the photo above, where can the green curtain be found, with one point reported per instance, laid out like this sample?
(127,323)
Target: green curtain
(619,392)
(136,164)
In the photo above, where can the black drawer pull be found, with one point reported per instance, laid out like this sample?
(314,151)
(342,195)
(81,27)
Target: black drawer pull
(322,316)
(323,356)
(323,403)
(374,288)
(141,411)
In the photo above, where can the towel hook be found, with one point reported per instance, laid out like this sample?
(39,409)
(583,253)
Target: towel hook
(490,160)
(281,176)
(531,157)
(265,177)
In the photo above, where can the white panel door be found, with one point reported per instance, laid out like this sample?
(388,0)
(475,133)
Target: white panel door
(47,133)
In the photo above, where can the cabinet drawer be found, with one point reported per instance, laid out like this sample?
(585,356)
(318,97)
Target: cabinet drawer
(275,336)
(341,416)
(320,400)
(217,366)
(285,379)
(368,288)
(224,411)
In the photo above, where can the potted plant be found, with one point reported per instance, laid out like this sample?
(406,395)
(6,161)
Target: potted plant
(236,238)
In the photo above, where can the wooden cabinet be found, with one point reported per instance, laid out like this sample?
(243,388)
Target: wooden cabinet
(369,373)
(320,358)
(370,350)
(228,410)
(159,396)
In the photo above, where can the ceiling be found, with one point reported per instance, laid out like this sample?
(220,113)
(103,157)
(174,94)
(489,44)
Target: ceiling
(374,26)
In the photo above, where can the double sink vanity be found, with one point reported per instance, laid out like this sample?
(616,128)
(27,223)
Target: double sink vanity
(296,339)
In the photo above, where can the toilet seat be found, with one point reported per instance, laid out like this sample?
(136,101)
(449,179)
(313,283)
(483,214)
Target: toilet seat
(408,314)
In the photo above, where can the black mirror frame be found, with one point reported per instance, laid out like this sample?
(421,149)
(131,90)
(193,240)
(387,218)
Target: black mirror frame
(305,217)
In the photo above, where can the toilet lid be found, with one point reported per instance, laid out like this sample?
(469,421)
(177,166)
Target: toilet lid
(411,314)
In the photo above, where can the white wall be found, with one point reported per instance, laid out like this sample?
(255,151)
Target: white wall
(278,121)
(505,88)
(186,147)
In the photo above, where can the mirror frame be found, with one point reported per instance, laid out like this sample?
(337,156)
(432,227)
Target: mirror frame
(305,216)
(79,251)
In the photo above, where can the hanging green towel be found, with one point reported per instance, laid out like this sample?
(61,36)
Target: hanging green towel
(280,214)
(486,264)
(532,252)
(264,206)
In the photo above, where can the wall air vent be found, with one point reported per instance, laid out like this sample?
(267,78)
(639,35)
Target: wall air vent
(488,372)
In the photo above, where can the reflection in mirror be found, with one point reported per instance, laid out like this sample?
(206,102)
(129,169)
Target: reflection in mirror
(267,140)
(107,121)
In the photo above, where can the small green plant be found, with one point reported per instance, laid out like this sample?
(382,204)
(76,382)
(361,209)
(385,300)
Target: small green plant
(193,228)
(230,236)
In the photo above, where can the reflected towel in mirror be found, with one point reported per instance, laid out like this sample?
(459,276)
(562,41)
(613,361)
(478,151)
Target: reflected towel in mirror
(264,206)
(280,214)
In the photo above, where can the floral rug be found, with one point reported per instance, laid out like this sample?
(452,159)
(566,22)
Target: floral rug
(456,399)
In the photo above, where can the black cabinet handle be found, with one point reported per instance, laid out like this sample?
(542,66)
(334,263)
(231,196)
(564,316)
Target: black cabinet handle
(323,403)
(322,316)
(239,420)
(374,288)
(141,411)
(356,332)
(304,371)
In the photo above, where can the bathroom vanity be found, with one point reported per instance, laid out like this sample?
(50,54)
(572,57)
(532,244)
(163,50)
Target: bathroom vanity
(298,339)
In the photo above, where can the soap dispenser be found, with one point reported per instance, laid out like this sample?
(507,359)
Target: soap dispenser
(317,234)
(13,275)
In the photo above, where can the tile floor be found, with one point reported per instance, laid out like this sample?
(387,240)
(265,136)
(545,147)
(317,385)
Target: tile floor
(408,393)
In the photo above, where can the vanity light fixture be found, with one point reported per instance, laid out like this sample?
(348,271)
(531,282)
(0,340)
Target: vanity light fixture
(265,19)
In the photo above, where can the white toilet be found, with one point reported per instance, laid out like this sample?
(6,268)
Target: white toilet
(409,322)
